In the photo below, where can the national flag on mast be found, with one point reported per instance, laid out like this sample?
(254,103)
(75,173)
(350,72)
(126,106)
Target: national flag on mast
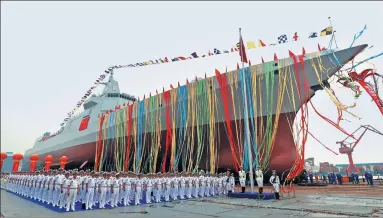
(242,51)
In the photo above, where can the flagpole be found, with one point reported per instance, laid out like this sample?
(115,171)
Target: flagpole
(246,117)
(333,32)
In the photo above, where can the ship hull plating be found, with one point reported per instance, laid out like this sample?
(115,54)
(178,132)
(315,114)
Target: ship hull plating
(281,159)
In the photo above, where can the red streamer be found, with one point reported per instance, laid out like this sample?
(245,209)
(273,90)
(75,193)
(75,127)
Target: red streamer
(225,101)
(168,129)
(360,78)
(99,143)
(128,133)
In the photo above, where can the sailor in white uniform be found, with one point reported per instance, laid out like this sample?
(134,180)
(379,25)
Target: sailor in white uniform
(102,190)
(127,186)
(149,186)
(74,188)
(158,187)
(259,179)
(242,179)
(274,180)
(167,181)
(115,189)
(182,180)
(138,190)
(64,190)
(90,184)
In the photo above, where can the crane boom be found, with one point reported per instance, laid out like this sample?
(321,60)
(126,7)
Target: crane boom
(344,149)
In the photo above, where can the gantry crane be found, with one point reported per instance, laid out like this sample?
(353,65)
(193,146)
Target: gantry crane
(348,148)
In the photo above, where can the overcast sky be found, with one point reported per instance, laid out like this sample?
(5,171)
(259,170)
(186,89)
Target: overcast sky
(51,53)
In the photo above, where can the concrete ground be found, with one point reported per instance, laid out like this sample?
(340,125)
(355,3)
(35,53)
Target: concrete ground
(315,202)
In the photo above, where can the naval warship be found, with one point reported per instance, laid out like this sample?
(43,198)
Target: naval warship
(79,143)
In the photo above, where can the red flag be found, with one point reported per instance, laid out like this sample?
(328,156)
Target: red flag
(303,51)
(242,51)
(261,44)
(291,54)
(319,47)
(187,81)
(275,57)
(232,49)
(181,58)
(210,54)
(237,66)
(262,60)
(295,37)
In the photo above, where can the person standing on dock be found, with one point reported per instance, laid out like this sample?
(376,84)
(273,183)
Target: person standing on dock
(102,188)
(259,180)
(242,179)
(64,190)
(274,180)
(90,183)
(74,188)
(311,178)
(138,189)
(115,189)
(339,177)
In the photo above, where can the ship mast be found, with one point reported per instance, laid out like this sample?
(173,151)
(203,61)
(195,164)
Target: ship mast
(246,117)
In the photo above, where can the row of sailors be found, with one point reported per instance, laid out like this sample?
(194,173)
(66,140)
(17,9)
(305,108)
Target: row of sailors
(63,189)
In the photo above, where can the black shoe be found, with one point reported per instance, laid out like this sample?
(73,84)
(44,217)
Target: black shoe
(277,195)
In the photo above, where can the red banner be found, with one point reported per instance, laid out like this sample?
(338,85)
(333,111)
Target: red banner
(360,78)
(373,95)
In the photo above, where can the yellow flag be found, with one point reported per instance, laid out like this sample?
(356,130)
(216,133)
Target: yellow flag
(250,45)
(148,62)
(327,31)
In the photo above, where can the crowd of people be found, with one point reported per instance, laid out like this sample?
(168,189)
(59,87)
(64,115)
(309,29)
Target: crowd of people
(63,189)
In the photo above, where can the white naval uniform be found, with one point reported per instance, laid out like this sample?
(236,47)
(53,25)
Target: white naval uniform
(181,192)
(103,189)
(138,194)
(50,191)
(259,178)
(232,182)
(195,182)
(74,186)
(207,186)
(89,195)
(149,186)
(275,182)
(189,186)
(242,178)
(167,189)
(116,189)
(128,191)
(202,186)
(64,192)
(158,189)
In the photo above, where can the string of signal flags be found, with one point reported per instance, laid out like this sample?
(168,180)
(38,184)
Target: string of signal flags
(249,45)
